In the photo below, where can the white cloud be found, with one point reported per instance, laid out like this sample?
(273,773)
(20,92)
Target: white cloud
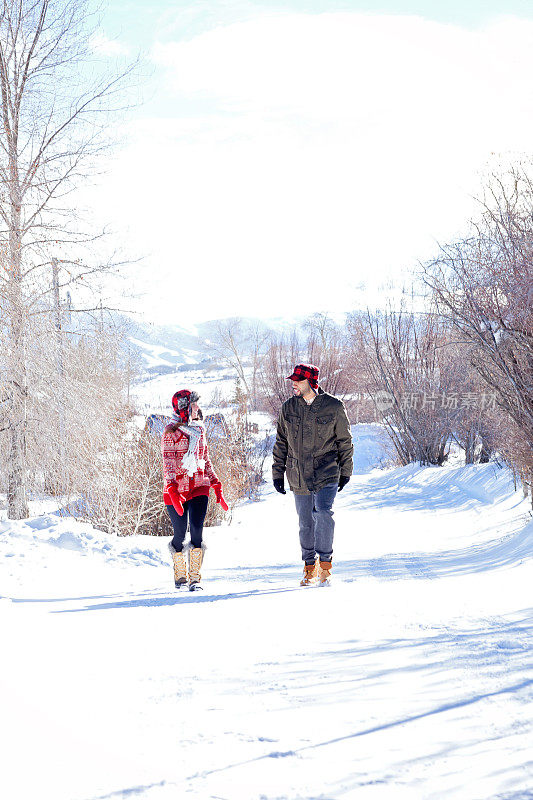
(331,149)
(105,46)
(355,69)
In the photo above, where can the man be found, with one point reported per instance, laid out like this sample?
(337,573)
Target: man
(314,447)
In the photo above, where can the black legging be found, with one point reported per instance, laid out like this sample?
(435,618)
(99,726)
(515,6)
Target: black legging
(194,510)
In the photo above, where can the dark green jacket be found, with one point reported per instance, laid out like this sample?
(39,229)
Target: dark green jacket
(313,443)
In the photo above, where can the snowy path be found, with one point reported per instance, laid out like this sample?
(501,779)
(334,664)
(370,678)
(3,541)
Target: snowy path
(410,677)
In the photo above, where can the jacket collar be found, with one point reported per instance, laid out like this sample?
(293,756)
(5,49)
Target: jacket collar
(317,400)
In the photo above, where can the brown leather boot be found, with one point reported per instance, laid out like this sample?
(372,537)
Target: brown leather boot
(309,577)
(324,573)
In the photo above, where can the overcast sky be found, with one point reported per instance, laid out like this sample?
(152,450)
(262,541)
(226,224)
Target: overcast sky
(294,156)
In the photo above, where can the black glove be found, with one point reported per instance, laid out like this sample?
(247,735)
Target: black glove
(279,485)
(343,480)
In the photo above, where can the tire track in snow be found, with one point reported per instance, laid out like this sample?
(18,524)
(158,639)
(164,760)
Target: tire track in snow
(418,568)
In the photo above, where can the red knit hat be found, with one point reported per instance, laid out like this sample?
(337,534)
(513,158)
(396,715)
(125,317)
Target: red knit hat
(305,372)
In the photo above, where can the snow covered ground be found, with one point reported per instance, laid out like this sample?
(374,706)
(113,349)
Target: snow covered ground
(409,677)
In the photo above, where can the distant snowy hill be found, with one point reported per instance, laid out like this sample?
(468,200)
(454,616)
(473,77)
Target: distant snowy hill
(166,349)
(173,357)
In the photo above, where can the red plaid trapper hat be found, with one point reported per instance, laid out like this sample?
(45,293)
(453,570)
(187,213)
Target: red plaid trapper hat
(181,403)
(305,372)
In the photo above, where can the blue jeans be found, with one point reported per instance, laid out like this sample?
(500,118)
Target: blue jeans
(316,523)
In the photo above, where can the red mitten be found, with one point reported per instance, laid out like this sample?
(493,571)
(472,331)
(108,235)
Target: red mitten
(177,499)
(217,488)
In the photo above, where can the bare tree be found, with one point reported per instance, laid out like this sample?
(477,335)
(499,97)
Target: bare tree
(325,345)
(241,347)
(483,285)
(409,372)
(281,356)
(474,423)
(227,343)
(53,125)
(258,341)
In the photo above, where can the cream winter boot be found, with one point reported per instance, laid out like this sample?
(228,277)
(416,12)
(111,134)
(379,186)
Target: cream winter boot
(196,557)
(180,566)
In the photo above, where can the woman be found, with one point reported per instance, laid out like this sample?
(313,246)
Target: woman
(188,475)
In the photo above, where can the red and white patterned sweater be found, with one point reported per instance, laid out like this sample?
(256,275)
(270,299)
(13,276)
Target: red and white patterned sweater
(174,445)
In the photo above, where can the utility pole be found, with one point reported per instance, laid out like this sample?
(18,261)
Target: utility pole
(60,370)
(69,308)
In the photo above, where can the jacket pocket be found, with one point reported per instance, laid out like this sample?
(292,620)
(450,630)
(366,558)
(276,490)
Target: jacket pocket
(293,429)
(326,467)
(325,429)
(293,423)
(293,475)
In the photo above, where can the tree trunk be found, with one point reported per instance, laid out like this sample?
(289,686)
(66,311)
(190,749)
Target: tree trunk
(484,456)
(17,504)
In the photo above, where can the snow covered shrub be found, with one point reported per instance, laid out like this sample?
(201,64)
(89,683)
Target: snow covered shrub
(513,448)
(75,407)
(125,496)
